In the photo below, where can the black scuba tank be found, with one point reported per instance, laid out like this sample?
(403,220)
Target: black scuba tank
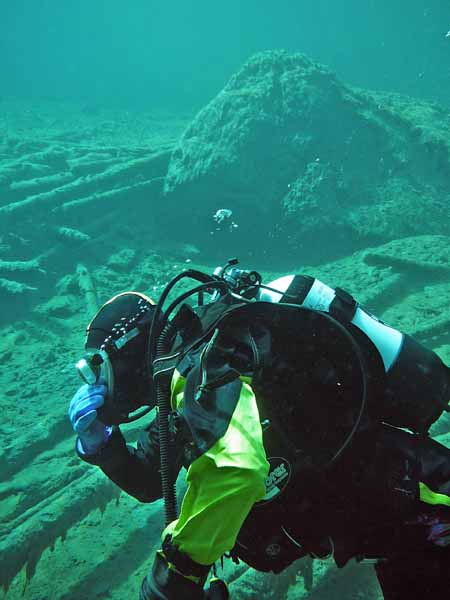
(416,388)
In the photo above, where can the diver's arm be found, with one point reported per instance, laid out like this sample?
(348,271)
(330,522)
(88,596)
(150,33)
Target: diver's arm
(229,476)
(134,470)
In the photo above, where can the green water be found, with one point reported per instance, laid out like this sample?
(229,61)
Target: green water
(124,127)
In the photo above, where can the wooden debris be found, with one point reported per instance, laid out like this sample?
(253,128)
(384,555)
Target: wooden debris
(403,264)
(433,328)
(106,197)
(88,289)
(7,266)
(15,287)
(38,184)
(38,528)
(72,234)
(134,172)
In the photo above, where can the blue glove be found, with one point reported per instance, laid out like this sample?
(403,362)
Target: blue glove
(92,433)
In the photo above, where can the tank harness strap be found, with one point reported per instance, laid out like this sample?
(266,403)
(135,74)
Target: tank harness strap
(343,306)
(300,287)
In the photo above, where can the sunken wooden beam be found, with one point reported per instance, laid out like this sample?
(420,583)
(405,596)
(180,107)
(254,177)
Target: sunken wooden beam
(87,287)
(133,173)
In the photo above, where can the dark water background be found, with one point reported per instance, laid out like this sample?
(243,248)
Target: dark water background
(181,53)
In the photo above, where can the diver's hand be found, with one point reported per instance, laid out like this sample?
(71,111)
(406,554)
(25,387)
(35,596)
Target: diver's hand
(92,433)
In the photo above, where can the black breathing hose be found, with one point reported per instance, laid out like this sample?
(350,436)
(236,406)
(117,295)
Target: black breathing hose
(160,338)
(163,400)
(158,346)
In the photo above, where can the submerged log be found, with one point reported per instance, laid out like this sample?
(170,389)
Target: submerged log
(88,290)
(14,266)
(135,173)
(15,287)
(106,197)
(39,527)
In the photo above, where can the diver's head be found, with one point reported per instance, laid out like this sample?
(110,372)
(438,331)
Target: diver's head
(116,350)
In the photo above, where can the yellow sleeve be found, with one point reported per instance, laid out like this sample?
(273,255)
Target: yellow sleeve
(222,486)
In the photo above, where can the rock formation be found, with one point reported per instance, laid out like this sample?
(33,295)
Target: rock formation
(310,167)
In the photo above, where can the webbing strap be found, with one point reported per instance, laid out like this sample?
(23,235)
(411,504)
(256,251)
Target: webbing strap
(343,306)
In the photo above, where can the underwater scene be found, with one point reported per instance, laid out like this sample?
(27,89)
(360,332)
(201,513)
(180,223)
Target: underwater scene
(224,291)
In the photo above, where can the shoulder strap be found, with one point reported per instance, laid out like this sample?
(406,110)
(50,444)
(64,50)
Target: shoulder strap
(343,306)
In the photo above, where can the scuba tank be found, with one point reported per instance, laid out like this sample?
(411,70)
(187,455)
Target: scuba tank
(416,387)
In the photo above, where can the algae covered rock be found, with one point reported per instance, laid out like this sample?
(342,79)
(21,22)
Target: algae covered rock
(306,163)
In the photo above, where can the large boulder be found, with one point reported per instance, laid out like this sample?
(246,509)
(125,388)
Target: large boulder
(310,168)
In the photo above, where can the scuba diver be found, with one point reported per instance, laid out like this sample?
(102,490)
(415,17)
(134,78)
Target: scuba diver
(302,421)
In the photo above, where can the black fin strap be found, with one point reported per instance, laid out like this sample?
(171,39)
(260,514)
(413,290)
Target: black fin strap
(182,561)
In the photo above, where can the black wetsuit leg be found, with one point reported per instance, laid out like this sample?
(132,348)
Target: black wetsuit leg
(417,576)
